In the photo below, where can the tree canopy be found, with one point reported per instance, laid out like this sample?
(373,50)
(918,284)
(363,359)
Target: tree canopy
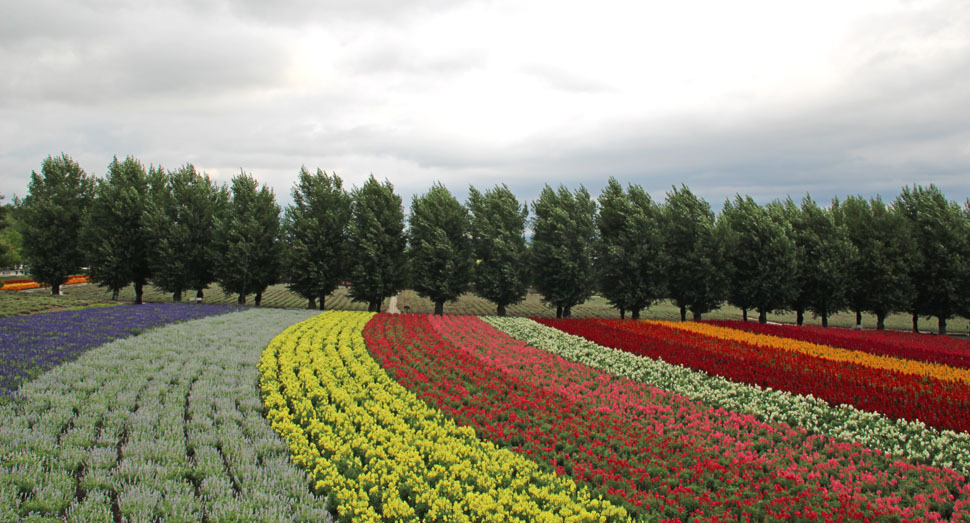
(377,239)
(562,247)
(315,236)
(440,250)
(50,220)
(629,252)
(501,271)
(695,277)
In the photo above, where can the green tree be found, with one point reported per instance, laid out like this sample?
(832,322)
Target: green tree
(115,232)
(50,220)
(759,257)
(885,251)
(181,220)
(562,247)
(630,260)
(11,242)
(501,273)
(440,250)
(824,257)
(378,242)
(941,236)
(315,236)
(248,236)
(695,278)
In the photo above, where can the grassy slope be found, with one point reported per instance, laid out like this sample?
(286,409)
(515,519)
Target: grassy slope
(24,302)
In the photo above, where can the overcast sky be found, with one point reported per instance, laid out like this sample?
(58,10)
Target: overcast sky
(765,98)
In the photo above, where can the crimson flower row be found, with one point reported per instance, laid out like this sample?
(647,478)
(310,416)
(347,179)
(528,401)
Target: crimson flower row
(936,349)
(653,451)
(939,403)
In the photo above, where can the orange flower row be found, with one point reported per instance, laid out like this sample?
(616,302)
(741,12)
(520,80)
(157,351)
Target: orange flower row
(19,285)
(919,368)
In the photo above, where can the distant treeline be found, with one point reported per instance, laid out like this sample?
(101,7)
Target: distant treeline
(181,231)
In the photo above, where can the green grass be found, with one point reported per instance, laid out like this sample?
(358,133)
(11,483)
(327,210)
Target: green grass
(86,295)
(14,303)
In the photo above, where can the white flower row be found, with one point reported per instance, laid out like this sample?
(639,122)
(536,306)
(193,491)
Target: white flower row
(910,439)
(166,425)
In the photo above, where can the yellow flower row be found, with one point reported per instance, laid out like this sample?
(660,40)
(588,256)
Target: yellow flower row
(919,368)
(383,453)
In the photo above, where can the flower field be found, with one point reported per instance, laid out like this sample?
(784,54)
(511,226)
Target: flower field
(292,415)
(30,345)
(24,284)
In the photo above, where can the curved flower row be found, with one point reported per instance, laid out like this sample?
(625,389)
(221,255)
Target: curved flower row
(20,285)
(659,453)
(383,454)
(936,349)
(875,361)
(939,403)
(911,440)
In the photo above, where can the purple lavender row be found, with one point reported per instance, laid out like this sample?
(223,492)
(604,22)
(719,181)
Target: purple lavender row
(33,344)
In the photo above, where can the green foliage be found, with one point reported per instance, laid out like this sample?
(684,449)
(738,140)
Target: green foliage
(695,278)
(759,257)
(115,233)
(501,272)
(630,259)
(942,239)
(879,275)
(11,241)
(50,220)
(562,246)
(248,238)
(180,220)
(823,257)
(440,250)
(377,242)
(315,235)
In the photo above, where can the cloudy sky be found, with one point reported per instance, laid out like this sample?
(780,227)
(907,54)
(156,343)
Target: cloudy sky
(765,98)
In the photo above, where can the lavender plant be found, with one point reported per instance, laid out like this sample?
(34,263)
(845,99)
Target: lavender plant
(30,345)
(164,426)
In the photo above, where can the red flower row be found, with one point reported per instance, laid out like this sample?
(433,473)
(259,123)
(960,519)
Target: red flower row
(648,449)
(939,403)
(922,347)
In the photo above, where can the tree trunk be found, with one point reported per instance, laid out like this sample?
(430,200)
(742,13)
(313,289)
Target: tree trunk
(762,316)
(114,294)
(198,295)
(683,313)
(825,320)
(323,302)
(258,298)
(139,292)
(311,303)
(375,306)
(744,313)
(622,313)
(858,318)
(880,321)
(697,316)
(915,322)
(942,324)
(242,299)
(635,314)
(56,290)
(439,307)
(558,311)
(800,316)
(567,311)
(501,309)
(177,296)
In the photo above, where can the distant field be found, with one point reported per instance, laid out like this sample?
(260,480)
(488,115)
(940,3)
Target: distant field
(24,302)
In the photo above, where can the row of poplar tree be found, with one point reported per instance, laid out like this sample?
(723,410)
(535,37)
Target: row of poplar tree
(182,232)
